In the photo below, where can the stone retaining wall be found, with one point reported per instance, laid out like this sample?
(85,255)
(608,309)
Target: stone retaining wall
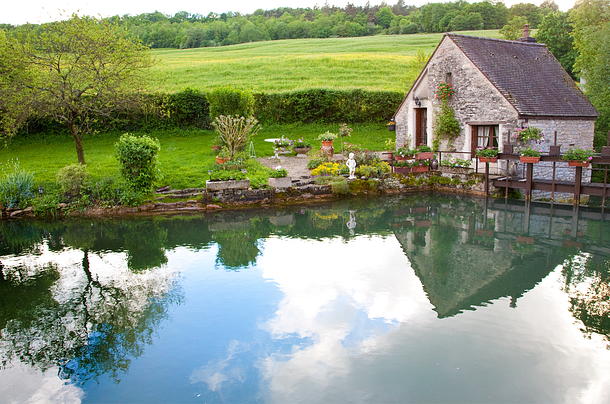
(203,200)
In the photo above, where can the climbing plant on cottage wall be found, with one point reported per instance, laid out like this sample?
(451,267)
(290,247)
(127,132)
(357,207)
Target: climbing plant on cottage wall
(445,125)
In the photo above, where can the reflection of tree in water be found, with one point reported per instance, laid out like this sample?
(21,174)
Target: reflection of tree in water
(87,325)
(144,242)
(18,237)
(587,282)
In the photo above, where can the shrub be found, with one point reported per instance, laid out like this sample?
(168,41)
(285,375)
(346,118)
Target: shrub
(230,101)
(316,161)
(16,186)
(235,131)
(188,107)
(138,159)
(46,206)
(71,178)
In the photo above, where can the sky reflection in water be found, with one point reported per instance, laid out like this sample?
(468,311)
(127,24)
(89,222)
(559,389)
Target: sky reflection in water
(426,300)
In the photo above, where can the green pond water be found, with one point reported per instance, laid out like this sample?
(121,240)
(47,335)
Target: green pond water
(411,299)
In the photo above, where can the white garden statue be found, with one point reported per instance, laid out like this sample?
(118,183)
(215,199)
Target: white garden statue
(351,163)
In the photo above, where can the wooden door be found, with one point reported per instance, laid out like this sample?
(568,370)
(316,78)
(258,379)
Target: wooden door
(421,126)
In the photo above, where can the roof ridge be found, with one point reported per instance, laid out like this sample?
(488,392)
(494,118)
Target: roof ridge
(450,34)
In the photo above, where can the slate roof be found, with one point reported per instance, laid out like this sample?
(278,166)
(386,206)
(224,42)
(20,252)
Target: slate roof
(528,75)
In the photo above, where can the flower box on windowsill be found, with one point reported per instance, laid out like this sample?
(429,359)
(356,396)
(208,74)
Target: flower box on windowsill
(488,159)
(577,163)
(418,169)
(527,159)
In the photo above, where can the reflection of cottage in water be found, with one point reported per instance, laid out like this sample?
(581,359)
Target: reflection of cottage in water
(462,265)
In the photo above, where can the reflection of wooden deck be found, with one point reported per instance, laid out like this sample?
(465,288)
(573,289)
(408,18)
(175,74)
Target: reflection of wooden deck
(548,186)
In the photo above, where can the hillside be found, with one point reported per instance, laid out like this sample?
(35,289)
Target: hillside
(379,62)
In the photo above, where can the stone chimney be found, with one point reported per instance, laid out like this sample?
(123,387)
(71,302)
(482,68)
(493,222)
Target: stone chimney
(526,35)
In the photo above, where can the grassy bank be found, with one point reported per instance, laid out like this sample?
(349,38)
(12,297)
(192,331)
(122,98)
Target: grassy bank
(372,63)
(185,155)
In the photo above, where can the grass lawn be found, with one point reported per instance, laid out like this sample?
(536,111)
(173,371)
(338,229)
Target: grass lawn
(378,62)
(185,155)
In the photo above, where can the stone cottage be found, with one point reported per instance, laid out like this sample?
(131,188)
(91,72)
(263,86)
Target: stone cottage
(500,86)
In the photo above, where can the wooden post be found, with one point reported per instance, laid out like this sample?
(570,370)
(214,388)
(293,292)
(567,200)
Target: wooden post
(529,175)
(554,151)
(577,183)
(486,179)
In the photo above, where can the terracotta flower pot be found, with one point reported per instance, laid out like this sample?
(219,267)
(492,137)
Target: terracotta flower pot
(424,155)
(577,163)
(527,159)
(402,170)
(327,147)
(422,169)
(220,160)
(488,159)
(216,147)
(398,157)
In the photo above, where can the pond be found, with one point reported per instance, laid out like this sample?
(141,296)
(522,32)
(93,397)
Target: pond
(422,298)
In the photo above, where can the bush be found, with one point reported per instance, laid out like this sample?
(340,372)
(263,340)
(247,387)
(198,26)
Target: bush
(71,178)
(235,132)
(230,101)
(16,187)
(46,206)
(188,107)
(138,159)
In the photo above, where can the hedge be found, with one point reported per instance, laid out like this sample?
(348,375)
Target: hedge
(190,108)
(326,106)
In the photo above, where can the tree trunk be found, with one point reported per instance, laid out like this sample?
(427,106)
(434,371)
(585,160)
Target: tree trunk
(80,153)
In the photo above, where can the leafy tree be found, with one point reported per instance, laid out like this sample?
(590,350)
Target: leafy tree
(514,28)
(556,32)
(591,19)
(531,12)
(385,16)
(74,71)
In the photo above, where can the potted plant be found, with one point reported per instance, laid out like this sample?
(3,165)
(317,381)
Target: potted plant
(283,143)
(223,156)
(403,153)
(529,155)
(392,125)
(487,154)
(327,142)
(278,178)
(531,133)
(578,157)
(327,137)
(403,166)
(423,152)
(420,166)
(301,147)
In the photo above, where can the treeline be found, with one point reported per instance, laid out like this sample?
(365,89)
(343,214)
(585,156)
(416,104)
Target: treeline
(186,30)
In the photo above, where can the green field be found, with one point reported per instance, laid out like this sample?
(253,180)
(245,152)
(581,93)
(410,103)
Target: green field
(372,63)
